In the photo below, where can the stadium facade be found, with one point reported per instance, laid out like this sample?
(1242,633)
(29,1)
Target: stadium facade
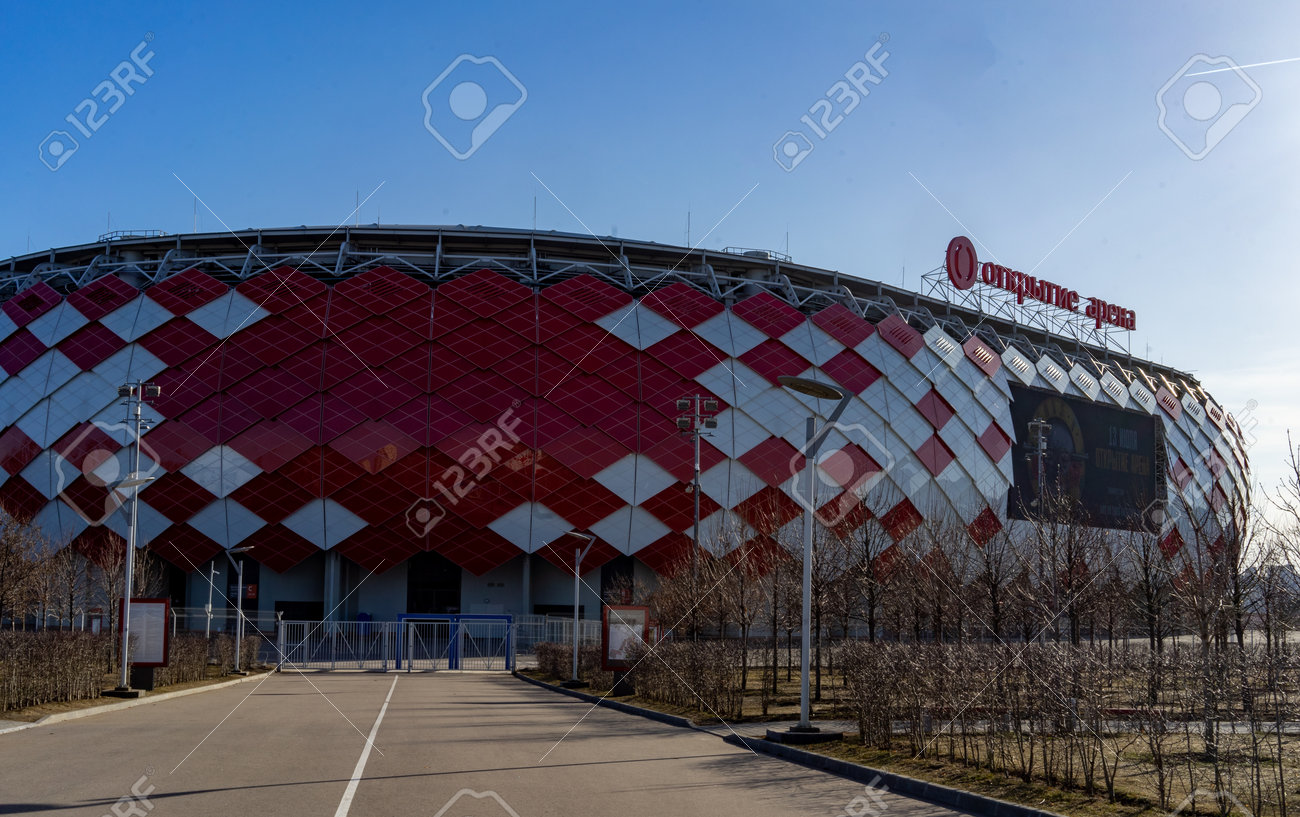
(413,419)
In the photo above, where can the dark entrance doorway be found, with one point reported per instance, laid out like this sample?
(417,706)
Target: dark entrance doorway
(432,584)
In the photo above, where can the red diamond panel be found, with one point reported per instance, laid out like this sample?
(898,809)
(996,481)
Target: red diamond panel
(184,547)
(850,370)
(321,471)
(18,350)
(485,343)
(281,288)
(586,298)
(560,553)
(270,391)
(484,293)
(321,419)
(758,556)
(668,554)
(186,291)
(100,545)
(551,322)
(586,451)
(995,442)
(19,499)
(675,453)
(86,447)
(278,547)
(448,316)
(374,392)
(982,356)
(902,337)
(682,305)
(187,385)
(769,314)
(373,445)
(984,527)
(482,395)
(381,289)
(412,367)
(90,345)
(850,467)
(841,323)
(273,339)
(220,418)
(16,450)
(1180,473)
(768,510)
(478,551)
(178,340)
(312,315)
(234,363)
(380,548)
(269,444)
(177,444)
(935,409)
(31,303)
(589,347)
(844,514)
(1166,400)
(901,520)
(272,496)
(176,496)
(675,506)
(343,313)
(589,399)
(935,455)
(774,460)
(92,501)
(687,354)
(374,498)
(1171,543)
(307,365)
(584,503)
(102,296)
(771,359)
(415,315)
(486,501)
(377,339)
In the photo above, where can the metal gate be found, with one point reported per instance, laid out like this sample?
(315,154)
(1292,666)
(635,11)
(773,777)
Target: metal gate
(339,644)
(456,642)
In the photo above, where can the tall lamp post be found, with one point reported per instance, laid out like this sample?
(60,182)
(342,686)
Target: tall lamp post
(696,416)
(579,553)
(814,439)
(135,393)
(239,602)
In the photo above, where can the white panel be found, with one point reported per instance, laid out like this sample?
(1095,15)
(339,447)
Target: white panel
(226,522)
(943,345)
(1053,373)
(1193,409)
(137,318)
(149,525)
(86,395)
(778,411)
(131,362)
(530,526)
(221,469)
(59,523)
(639,326)
(1114,388)
(49,473)
(324,523)
(729,483)
(48,372)
(630,528)
(737,433)
(732,380)
(1018,365)
(1142,396)
(620,477)
(7,326)
(57,324)
(734,337)
(16,398)
(811,342)
(228,314)
(1085,381)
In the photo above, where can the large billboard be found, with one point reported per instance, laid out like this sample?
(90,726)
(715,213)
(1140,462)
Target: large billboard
(1101,456)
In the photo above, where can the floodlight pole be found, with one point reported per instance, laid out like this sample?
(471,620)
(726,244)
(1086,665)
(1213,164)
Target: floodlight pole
(814,440)
(579,553)
(134,394)
(700,417)
(239,602)
(212,580)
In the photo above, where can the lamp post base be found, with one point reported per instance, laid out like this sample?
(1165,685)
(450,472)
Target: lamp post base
(803,735)
(574,683)
(124,692)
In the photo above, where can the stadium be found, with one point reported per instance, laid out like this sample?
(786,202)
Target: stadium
(411,419)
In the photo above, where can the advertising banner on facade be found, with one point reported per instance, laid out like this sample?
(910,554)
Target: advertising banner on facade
(150,633)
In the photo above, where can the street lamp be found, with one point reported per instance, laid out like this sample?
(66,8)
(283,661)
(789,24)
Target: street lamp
(697,415)
(239,602)
(212,581)
(135,394)
(814,440)
(579,553)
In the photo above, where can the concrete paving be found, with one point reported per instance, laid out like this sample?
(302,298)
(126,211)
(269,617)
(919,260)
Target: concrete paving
(488,744)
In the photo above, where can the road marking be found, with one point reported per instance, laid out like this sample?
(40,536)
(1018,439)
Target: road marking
(346,803)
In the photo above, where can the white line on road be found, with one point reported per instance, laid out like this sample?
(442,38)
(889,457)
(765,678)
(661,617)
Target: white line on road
(346,803)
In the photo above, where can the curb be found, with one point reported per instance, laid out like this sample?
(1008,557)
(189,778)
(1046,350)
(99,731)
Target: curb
(59,717)
(947,796)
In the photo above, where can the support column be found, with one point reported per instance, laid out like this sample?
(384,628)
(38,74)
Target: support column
(330,593)
(526,586)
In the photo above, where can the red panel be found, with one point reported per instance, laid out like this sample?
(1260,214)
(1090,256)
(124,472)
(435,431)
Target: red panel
(901,520)
(1171,543)
(935,455)
(624,372)
(428,419)
(484,292)
(668,554)
(1166,400)
(272,496)
(982,356)
(374,392)
(102,296)
(844,514)
(551,322)
(448,316)
(16,450)
(487,501)
(374,498)
(31,303)
(279,548)
(236,362)
(379,548)
(19,499)
(482,395)
(186,291)
(312,315)
(521,318)
(935,409)
(1179,472)
(586,298)
(275,338)
(101,546)
(984,527)
(589,399)
(416,315)
(995,442)
(336,417)
(178,340)
(675,453)
(588,346)
(233,416)
(560,553)
(521,369)
(687,354)
(768,314)
(902,337)
(584,503)
(485,343)
(271,391)
(307,365)
(768,510)
(774,460)
(850,467)
(91,500)
(176,444)
(381,289)
(771,359)
(187,385)
(373,445)
(682,305)
(20,349)
(269,444)
(184,547)
(675,506)
(759,556)
(478,551)
(90,345)
(86,447)
(320,471)
(841,323)
(376,340)
(445,368)
(413,367)
(176,496)
(412,472)
(281,288)
(587,451)
(851,371)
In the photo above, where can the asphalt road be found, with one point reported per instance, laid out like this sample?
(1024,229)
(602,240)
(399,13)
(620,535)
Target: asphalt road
(485,744)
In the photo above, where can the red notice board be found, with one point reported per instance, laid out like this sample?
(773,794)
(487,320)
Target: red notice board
(150,631)
(623,628)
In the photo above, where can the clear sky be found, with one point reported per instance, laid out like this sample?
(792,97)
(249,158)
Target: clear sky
(1034,125)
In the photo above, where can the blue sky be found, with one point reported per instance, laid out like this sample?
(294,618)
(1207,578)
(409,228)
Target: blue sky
(1020,119)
